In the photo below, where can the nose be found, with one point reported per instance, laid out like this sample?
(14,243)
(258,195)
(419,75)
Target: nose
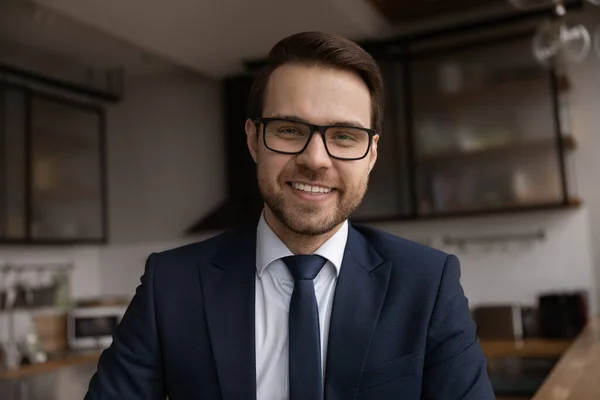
(315,155)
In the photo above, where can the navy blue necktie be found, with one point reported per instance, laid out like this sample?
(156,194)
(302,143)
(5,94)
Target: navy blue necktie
(306,379)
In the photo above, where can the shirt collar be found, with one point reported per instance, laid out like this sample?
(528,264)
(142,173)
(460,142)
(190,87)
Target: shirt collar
(270,248)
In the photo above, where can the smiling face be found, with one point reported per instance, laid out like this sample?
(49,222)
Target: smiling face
(312,193)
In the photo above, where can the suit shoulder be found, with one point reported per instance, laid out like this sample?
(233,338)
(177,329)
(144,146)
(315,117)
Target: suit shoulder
(396,248)
(199,251)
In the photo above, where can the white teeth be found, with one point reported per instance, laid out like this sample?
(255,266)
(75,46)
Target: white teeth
(310,189)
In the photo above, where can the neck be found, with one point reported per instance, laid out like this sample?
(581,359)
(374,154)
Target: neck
(297,243)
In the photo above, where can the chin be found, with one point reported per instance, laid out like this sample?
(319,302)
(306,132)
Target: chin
(309,229)
(311,222)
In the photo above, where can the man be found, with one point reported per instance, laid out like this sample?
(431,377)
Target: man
(303,305)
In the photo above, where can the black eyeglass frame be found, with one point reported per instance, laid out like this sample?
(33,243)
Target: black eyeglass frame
(313,128)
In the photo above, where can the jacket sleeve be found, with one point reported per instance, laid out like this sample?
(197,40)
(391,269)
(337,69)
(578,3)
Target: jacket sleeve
(455,367)
(131,368)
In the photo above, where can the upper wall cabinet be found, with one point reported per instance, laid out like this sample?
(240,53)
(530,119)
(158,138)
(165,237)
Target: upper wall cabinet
(485,128)
(472,126)
(52,175)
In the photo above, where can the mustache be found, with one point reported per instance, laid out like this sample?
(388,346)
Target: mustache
(311,175)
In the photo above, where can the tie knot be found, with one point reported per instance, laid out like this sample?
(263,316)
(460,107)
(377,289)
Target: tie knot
(304,267)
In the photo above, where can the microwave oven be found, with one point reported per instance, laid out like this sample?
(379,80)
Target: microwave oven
(92,328)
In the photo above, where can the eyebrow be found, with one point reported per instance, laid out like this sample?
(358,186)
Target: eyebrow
(355,124)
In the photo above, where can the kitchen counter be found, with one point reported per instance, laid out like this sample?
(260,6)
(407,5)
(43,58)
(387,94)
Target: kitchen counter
(53,364)
(532,348)
(577,374)
(575,377)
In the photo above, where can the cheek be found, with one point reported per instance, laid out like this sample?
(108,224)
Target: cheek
(353,176)
(271,165)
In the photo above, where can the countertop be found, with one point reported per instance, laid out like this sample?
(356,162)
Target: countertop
(577,375)
(55,362)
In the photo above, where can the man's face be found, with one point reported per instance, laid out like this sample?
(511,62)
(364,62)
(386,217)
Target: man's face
(321,96)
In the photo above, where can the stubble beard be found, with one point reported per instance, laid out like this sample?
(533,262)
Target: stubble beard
(310,219)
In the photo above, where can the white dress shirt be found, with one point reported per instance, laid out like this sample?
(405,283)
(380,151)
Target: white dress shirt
(274,286)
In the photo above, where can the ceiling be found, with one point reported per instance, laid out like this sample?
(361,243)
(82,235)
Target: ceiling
(214,37)
(411,11)
(32,38)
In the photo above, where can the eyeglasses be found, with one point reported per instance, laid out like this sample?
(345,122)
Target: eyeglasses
(289,136)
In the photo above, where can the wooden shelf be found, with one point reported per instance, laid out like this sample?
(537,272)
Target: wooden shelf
(491,91)
(515,148)
(572,202)
(67,360)
(534,348)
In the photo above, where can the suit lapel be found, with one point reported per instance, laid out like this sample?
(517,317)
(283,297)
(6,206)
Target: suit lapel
(228,289)
(359,296)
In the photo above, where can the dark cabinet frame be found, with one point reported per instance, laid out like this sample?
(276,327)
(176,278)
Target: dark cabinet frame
(29,96)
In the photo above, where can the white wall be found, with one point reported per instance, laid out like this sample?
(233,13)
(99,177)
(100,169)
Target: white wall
(166,169)
(517,271)
(585,105)
(165,156)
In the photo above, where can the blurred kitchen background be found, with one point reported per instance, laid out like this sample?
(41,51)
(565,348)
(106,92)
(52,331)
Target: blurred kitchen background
(122,133)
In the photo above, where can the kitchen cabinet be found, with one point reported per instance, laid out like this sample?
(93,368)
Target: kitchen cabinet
(52,172)
(485,132)
(474,125)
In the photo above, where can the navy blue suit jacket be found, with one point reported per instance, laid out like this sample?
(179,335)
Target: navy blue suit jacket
(400,326)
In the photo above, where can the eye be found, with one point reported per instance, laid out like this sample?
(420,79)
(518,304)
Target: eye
(343,137)
(290,131)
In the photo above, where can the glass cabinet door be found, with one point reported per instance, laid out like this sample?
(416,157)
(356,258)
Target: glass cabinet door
(485,131)
(13,225)
(66,178)
(51,168)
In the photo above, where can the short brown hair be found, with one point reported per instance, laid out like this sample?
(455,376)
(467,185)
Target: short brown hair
(324,49)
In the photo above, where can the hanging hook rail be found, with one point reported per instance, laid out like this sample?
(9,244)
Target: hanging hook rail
(538,235)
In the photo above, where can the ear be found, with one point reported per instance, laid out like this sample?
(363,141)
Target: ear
(373,153)
(252,139)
